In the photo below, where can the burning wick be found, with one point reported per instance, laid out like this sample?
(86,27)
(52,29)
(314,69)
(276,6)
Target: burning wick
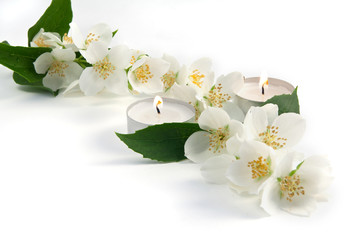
(158,103)
(263,87)
(157,107)
(263,82)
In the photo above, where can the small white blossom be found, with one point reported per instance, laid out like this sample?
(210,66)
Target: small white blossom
(265,125)
(145,75)
(297,185)
(44,39)
(59,67)
(107,71)
(218,128)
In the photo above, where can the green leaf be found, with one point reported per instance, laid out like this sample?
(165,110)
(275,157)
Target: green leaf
(36,86)
(56,18)
(20,60)
(286,102)
(164,142)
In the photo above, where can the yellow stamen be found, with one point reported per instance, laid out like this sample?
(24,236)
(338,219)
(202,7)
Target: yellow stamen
(290,185)
(132,60)
(67,39)
(57,68)
(196,77)
(91,37)
(270,138)
(218,138)
(143,73)
(40,42)
(168,79)
(216,98)
(259,167)
(104,68)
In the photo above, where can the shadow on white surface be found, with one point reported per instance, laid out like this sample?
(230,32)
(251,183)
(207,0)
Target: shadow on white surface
(217,201)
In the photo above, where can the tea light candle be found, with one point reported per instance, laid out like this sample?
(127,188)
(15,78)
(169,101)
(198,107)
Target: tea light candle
(150,111)
(257,90)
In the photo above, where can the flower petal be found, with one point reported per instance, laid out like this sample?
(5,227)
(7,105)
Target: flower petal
(214,169)
(255,122)
(270,197)
(271,111)
(54,82)
(233,111)
(77,36)
(174,64)
(95,52)
(120,56)
(233,145)
(43,63)
(66,55)
(72,72)
(291,127)
(315,173)
(117,82)
(213,118)
(90,83)
(231,83)
(72,87)
(104,32)
(197,147)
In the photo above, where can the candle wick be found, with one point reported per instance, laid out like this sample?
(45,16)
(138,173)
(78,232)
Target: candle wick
(262,90)
(157,109)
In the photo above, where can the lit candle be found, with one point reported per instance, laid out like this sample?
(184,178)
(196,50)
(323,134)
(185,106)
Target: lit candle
(151,111)
(257,90)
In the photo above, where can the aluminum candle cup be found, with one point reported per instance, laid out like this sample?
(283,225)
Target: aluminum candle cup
(251,93)
(150,111)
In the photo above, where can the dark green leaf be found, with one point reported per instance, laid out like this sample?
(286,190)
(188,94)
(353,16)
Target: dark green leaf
(37,86)
(164,143)
(20,60)
(286,102)
(56,18)
(5,42)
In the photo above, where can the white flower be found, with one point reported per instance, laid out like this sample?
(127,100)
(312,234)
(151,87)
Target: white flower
(173,75)
(98,33)
(187,94)
(60,68)
(224,90)
(44,39)
(65,42)
(200,76)
(297,189)
(256,162)
(218,128)
(107,71)
(146,73)
(263,124)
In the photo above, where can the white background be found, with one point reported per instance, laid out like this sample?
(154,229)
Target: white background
(65,175)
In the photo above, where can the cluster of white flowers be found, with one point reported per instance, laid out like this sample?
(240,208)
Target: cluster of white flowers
(90,65)
(251,153)
(256,158)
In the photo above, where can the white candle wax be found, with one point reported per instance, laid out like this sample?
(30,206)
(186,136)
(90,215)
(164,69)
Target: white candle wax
(142,113)
(251,94)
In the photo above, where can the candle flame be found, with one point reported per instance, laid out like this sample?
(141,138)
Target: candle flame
(158,103)
(264,83)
